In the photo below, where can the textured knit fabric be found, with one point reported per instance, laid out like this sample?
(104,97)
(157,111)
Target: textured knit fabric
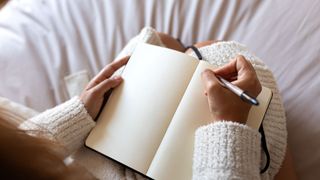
(274,122)
(222,150)
(67,124)
(226,150)
(60,124)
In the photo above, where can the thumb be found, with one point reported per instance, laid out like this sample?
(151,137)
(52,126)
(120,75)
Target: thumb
(211,82)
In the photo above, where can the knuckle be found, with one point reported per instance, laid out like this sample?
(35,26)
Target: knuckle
(93,92)
(211,86)
(206,72)
(239,56)
(108,82)
(95,82)
(112,67)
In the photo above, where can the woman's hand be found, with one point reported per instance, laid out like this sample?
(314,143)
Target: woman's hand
(224,104)
(93,95)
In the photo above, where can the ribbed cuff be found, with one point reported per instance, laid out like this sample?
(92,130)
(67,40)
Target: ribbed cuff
(68,123)
(226,150)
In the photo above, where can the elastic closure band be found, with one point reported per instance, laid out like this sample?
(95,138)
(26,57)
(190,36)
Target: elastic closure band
(261,130)
(265,149)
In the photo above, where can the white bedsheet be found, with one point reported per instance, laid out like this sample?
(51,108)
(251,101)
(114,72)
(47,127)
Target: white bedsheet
(41,41)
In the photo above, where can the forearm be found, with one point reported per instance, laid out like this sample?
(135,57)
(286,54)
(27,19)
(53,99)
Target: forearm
(226,150)
(68,124)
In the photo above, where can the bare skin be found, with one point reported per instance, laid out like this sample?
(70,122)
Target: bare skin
(102,82)
(93,95)
(287,170)
(218,95)
(246,78)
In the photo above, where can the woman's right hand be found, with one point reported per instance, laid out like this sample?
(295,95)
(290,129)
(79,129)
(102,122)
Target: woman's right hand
(224,104)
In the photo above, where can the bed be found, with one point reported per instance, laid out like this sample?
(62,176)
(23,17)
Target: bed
(42,41)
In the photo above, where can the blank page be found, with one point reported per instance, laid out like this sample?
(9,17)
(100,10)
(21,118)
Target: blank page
(173,159)
(138,112)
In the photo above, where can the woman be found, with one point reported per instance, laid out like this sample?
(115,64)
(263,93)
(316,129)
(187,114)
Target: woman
(68,124)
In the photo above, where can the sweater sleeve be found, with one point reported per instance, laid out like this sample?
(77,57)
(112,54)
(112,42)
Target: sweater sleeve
(67,124)
(226,150)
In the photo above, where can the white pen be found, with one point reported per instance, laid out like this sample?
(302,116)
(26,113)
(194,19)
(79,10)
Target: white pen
(241,93)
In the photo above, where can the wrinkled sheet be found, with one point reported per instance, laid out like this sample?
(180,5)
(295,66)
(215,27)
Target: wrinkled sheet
(41,41)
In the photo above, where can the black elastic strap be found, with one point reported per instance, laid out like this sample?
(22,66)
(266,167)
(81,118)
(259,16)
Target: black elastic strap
(265,149)
(196,51)
(263,137)
(181,43)
(105,99)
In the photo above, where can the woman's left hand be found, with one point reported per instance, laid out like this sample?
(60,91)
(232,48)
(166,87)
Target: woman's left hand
(93,95)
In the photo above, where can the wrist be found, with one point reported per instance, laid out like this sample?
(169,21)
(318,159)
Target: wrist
(237,117)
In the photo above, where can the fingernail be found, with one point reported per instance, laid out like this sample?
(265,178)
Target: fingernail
(117,78)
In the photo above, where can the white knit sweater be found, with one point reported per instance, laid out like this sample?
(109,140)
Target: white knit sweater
(222,150)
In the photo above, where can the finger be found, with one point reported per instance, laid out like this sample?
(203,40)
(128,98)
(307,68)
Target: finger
(211,83)
(107,84)
(112,67)
(237,69)
(245,70)
(243,66)
(106,72)
(247,78)
(228,70)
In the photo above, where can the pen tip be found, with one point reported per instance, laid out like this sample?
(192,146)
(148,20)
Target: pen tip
(254,102)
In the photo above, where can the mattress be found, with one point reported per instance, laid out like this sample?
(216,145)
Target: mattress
(42,41)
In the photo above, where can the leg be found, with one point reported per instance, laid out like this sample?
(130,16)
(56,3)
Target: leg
(287,170)
(201,44)
(171,42)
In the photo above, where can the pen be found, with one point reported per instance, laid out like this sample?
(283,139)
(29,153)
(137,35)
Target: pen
(241,93)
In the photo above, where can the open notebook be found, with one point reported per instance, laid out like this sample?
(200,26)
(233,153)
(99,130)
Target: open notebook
(149,121)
